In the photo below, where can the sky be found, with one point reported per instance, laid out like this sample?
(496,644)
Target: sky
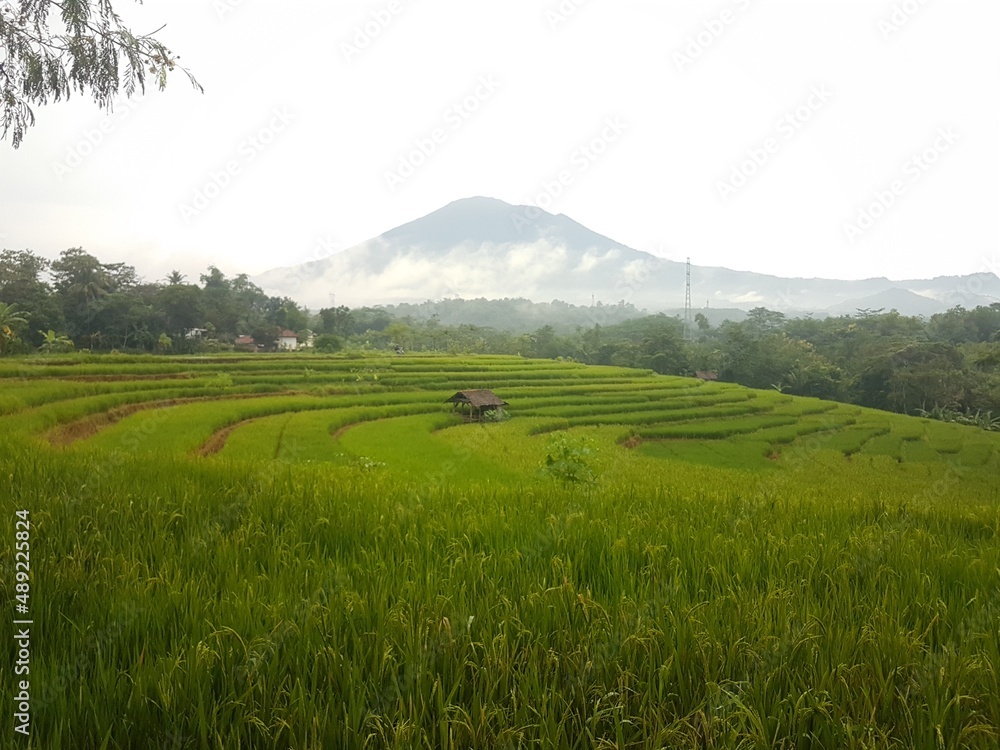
(800,138)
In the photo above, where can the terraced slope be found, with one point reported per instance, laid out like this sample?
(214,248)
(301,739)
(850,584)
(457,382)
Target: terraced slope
(312,552)
(391,411)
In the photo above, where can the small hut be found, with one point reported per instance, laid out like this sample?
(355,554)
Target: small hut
(472,404)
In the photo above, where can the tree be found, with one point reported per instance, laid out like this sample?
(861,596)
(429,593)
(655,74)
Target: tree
(80,277)
(21,284)
(266,336)
(19,267)
(336,320)
(400,334)
(289,315)
(664,351)
(82,282)
(544,344)
(214,279)
(328,343)
(761,321)
(181,307)
(10,319)
(916,375)
(123,318)
(93,52)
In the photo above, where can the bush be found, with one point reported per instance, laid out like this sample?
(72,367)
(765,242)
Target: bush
(328,343)
(568,460)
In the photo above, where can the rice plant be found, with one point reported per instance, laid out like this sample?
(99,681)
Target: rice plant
(350,565)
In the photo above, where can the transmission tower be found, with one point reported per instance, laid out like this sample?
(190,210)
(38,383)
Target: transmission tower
(687,304)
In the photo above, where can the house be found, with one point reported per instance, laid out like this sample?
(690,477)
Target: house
(288,341)
(245,344)
(472,404)
(706,375)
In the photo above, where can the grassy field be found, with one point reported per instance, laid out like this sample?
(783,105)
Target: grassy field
(315,552)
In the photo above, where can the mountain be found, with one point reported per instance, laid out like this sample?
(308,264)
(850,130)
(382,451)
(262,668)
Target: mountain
(892,299)
(486,248)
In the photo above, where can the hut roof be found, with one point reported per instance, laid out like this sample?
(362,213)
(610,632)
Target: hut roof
(480,398)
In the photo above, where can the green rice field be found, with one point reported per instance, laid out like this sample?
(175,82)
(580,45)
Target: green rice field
(297,551)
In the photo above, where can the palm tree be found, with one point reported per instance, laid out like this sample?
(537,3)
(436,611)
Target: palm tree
(10,317)
(90,289)
(175,277)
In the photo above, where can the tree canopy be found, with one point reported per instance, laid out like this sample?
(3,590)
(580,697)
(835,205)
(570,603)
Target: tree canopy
(50,49)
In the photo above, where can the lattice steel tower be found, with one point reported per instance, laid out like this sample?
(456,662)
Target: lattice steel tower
(687,304)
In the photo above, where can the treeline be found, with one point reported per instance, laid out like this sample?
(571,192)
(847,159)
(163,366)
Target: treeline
(78,302)
(516,315)
(948,364)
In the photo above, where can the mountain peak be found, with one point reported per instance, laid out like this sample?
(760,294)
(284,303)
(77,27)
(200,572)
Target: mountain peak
(485,247)
(479,221)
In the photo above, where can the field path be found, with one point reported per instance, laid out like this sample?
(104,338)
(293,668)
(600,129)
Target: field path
(218,439)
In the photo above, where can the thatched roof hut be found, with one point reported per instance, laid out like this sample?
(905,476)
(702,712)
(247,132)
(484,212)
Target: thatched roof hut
(474,403)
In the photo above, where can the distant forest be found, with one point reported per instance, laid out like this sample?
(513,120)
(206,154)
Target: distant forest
(947,366)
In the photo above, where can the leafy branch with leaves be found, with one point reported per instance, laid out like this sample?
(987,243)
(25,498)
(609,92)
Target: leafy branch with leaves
(50,49)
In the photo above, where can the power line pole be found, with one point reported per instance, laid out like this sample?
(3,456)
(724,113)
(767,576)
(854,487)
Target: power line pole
(687,304)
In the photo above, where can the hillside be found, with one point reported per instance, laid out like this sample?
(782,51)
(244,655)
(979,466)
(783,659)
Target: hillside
(320,550)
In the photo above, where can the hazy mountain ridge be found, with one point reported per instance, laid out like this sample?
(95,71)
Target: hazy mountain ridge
(486,248)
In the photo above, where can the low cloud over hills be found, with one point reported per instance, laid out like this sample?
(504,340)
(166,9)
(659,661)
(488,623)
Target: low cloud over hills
(483,247)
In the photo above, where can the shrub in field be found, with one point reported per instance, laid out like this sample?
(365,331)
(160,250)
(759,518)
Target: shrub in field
(496,415)
(569,460)
(328,343)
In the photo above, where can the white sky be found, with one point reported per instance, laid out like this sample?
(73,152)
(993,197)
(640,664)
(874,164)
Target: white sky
(557,72)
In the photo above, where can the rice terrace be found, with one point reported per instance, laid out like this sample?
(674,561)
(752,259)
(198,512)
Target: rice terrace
(303,551)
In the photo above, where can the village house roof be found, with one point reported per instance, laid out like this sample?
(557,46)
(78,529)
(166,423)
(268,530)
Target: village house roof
(286,334)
